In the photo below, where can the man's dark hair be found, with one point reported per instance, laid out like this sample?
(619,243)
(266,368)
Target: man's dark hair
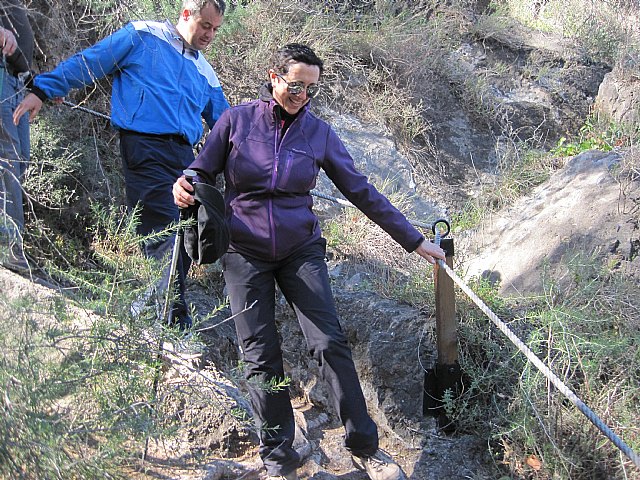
(294,53)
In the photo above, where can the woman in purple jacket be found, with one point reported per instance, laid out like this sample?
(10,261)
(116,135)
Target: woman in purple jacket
(270,151)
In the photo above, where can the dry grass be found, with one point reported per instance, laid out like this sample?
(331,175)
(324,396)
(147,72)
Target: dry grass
(604,28)
(363,247)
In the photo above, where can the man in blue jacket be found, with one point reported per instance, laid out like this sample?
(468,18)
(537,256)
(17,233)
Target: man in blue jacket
(162,86)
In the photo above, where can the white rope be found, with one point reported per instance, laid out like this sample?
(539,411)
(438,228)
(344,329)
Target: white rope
(617,441)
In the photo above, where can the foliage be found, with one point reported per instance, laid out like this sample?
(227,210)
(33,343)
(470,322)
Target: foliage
(40,438)
(369,67)
(586,335)
(603,28)
(521,173)
(77,387)
(469,216)
(79,378)
(593,135)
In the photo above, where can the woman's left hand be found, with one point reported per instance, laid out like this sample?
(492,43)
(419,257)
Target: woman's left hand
(183,193)
(430,251)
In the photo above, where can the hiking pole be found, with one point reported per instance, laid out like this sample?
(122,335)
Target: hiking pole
(175,255)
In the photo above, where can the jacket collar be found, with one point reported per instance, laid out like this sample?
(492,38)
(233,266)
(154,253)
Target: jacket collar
(178,42)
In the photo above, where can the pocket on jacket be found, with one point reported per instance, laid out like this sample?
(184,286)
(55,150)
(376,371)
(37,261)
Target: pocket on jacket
(298,171)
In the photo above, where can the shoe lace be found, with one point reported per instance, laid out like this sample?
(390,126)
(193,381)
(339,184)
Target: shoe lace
(379,460)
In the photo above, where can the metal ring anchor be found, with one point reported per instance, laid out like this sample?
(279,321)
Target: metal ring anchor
(443,231)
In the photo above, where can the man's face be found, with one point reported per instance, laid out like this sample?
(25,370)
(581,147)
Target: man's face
(200,29)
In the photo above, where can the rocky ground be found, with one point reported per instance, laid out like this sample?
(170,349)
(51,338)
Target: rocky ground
(582,209)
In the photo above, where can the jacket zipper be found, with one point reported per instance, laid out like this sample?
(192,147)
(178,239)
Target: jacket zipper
(274,179)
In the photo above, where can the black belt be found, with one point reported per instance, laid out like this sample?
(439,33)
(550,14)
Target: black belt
(171,137)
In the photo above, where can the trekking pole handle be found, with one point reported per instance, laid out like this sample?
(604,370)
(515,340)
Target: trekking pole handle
(189,175)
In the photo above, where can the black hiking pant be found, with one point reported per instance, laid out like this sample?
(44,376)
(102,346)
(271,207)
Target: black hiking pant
(303,279)
(151,165)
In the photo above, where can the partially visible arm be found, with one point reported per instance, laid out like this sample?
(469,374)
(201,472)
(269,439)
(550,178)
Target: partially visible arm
(82,69)
(87,66)
(32,104)
(13,17)
(355,186)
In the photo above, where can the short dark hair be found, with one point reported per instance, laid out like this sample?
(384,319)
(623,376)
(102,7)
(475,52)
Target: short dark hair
(196,6)
(294,53)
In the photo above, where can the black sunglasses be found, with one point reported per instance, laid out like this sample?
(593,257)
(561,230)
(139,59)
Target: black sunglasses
(296,88)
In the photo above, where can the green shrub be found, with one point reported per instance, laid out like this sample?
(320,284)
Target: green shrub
(80,394)
(587,335)
(595,135)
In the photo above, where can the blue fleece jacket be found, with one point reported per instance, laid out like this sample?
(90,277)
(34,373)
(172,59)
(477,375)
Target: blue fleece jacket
(160,84)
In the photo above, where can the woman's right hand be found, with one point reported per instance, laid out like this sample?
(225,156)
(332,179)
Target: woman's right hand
(183,193)
(430,251)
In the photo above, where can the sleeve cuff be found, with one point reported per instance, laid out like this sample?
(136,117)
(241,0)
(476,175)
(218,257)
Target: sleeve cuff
(39,93)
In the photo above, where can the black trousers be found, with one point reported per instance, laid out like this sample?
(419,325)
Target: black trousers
(304,281)
(151,165)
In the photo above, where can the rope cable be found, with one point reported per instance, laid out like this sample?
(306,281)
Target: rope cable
(86,110)
(546,371)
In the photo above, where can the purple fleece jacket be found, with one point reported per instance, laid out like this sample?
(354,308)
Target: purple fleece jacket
(268,180)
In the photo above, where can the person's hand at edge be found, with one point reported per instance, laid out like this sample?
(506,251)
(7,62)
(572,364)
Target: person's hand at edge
(31,104)
(182,193)
(430,251)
